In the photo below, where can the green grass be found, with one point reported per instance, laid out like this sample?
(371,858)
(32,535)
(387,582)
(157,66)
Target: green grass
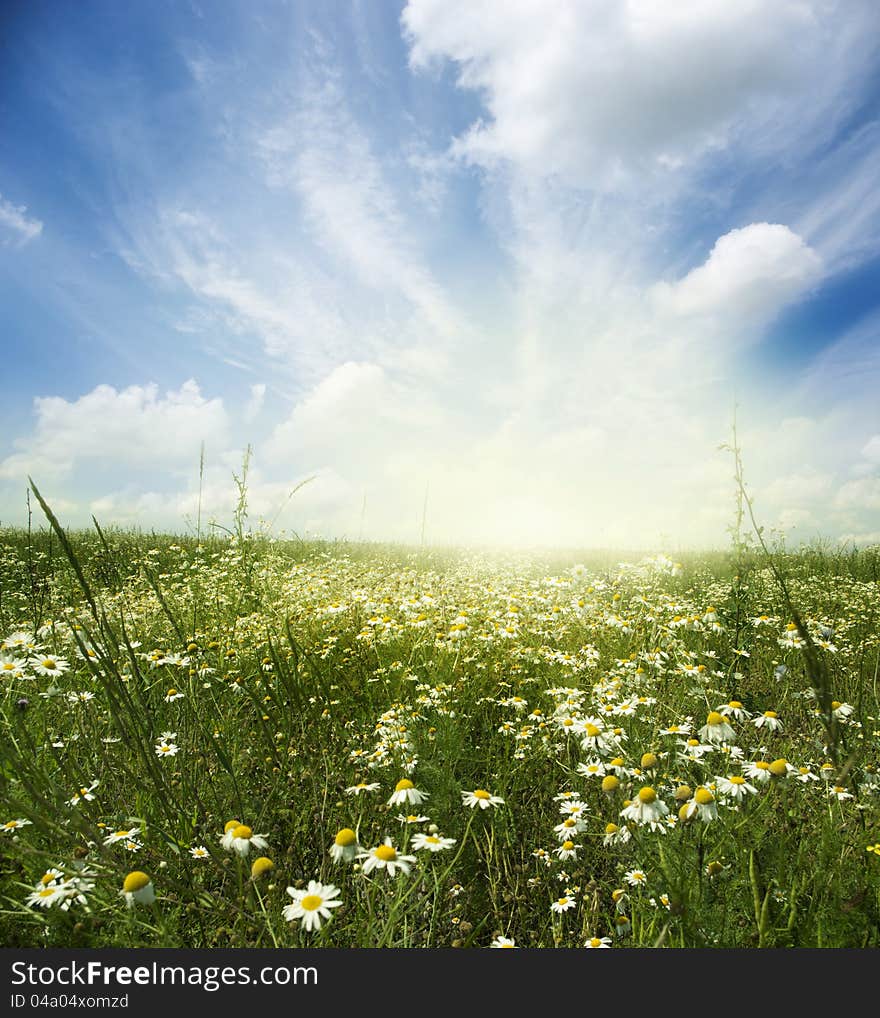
(309,667)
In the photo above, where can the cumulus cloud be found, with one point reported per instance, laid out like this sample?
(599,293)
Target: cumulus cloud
(594,91)
(16,227)
(589,405)
(749,275)
(359,418)
(806,486)
(863,493)
(132,426)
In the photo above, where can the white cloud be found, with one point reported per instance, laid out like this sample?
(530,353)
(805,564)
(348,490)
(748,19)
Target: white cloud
(322,153)
(594,92)
(358,418)
(864,537)
(796,488)
(749,275)
(244,288)
(871,451)
(840,216)
(863,493)
(19,226)
(255,403)
(589,405)
(134,426)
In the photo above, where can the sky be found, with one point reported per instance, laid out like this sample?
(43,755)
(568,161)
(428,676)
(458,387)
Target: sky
(483,277)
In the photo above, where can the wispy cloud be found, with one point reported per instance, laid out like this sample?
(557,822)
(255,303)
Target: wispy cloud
(349,205)
(16,226)
(527,271)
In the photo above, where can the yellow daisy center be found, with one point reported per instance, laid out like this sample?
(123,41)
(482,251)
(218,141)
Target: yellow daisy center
(312,901)
(704,796)
(714,718)
(135,881)
(779,767)
(345,837)
(647,795)
(242,831)
(230,825)
(403,785)
(386,853)
(261,866)
(481,793)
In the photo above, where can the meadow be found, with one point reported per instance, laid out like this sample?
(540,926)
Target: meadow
(236,739)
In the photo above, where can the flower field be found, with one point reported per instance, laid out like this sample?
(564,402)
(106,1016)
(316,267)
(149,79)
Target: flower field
(258,742)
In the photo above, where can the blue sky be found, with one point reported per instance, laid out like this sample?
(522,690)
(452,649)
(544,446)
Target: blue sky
(529,263)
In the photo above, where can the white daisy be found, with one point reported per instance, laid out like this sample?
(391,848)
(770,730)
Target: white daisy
(312,905)
(385,857)
(735,787)
(14,825)
(132,832)
(137,888)
(646,808)
(406,793)
(769,720)
(364,786)
(431,842)
(480,797)
(241,839)
(345,846)
(563,904)
(716,730)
